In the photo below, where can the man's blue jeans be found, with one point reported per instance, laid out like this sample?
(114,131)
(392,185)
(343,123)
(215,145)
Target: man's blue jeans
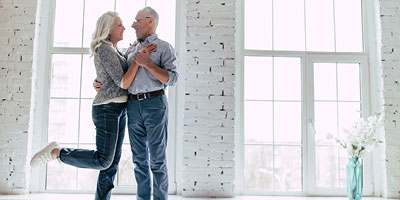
(110,121)
(147,125)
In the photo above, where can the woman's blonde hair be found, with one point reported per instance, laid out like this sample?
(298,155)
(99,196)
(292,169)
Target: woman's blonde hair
(102,33)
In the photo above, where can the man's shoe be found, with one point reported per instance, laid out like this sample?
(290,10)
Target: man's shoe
(44,155)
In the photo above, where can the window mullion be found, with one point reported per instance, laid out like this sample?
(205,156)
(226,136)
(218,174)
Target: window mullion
(334,24)
(83,22)
(273,124)
(272,18)
(69,50)
(305,25)
(310,130)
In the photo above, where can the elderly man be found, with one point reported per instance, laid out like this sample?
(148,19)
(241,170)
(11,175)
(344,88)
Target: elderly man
(148,106)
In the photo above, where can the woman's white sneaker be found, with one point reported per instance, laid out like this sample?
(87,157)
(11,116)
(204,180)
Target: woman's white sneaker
(44,155)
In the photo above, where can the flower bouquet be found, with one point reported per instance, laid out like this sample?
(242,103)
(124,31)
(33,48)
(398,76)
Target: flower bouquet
(360,138)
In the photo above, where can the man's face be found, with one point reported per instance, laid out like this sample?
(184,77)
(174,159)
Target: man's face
(142,25)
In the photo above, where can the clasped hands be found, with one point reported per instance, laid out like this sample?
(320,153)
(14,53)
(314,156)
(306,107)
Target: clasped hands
(142,58)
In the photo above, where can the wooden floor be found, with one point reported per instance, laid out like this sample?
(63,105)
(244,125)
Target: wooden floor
(44,196)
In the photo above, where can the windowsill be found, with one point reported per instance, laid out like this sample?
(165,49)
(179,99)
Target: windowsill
(52,196)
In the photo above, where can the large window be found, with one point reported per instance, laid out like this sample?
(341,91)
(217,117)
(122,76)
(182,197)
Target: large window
(305,74)
(72,72)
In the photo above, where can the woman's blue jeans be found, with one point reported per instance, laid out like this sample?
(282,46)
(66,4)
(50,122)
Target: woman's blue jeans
(110,121)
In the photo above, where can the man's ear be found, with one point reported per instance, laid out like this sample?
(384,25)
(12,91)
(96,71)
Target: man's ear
(151,21)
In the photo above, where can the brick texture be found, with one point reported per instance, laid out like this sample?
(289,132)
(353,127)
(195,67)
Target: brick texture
(390,54)
(17,30)
(208,146)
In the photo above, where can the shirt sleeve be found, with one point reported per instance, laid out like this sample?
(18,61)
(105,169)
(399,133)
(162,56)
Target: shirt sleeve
(169,62)
(111,63)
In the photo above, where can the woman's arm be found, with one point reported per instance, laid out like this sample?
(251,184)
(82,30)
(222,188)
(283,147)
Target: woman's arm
(109,64)
(131,73)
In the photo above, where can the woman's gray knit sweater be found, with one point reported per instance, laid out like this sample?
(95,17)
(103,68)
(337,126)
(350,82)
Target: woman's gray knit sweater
(110,69)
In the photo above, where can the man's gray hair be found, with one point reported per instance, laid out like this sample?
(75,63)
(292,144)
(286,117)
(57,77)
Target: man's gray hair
(151,13)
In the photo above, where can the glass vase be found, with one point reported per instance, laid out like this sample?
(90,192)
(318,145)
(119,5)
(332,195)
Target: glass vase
(354,179)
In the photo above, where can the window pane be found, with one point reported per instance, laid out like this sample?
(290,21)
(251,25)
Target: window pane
(344,159)
(126,138)
(288,25)
(320,27)
(166,25)
(63,123)
(126,174)
(88,76)
(349,112)
(87,130)
(68,30)
(258,122)
(327,173)
(287,169)
(325,81)
(87,178)
(287,122)
(258,168)
(93,10)
(127,10)
(258,78)
(325,121)
(287,86)
(61,176)
(348,26)
(348,82)
(258,35)
(65,79)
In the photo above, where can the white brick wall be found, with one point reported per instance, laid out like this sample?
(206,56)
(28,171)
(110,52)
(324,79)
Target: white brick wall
(390,53)
(208,133)
(17,30)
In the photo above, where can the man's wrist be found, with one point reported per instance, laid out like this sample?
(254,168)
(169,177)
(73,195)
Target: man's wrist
(148,65)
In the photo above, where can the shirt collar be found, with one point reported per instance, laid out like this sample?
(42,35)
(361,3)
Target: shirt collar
(151,38)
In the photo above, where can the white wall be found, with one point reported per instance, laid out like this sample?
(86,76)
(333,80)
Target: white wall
(17,31)
(390,57)
(209,111)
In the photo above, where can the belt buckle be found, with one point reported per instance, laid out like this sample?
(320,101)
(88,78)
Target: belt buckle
(144,96)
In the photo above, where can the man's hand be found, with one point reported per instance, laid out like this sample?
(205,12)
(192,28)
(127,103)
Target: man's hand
(134,43)
(96,85)
(142,57)
(149,48)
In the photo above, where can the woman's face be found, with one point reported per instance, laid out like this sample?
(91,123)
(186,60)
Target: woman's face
(117,31)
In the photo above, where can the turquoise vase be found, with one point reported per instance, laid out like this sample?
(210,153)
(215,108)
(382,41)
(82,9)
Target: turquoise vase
(354,179)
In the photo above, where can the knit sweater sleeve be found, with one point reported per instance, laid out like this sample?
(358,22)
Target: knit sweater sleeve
(111,64)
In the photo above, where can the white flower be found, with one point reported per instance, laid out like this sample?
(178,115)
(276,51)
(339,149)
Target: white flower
(361,136)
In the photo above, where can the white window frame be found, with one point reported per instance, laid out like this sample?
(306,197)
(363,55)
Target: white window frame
(369,104)
(44,46)
(365,108)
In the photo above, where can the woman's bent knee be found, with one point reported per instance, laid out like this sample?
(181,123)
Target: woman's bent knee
(105,164)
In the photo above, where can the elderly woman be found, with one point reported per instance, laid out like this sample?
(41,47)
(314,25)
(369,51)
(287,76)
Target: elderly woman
(108,110)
